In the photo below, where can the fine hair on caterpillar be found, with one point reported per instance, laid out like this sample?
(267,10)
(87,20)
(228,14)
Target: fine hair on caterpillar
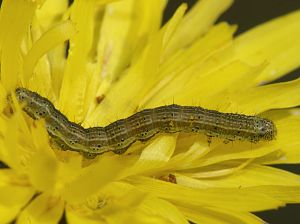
(141,126)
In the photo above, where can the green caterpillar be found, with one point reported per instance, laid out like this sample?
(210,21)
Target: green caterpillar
(141,126)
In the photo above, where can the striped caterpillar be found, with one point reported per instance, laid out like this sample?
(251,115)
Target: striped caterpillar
(119,135)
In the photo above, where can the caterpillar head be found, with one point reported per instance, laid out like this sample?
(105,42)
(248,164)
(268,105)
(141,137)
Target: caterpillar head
(266,129)
(33,104)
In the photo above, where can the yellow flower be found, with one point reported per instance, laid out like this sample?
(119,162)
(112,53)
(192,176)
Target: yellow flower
(119,61)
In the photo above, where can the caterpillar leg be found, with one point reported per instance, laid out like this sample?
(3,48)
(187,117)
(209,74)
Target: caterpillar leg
(120,151)
(58,144)
(88,155)
(209,139)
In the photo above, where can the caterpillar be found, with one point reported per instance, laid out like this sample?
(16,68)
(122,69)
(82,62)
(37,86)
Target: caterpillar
(142,126)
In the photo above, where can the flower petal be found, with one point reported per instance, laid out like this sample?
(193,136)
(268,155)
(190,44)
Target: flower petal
(223,152)
(250,176)
(197,21)
(196,151)
(154,156)
(181,74)
(122,203)
(126,24)
(275,41)
(73,90)
(43,209)
(12,152)
(287,122)
(10,39)
(287,194)
(93,178)
(162,208)
(114,204)
(256,100)
(239,199)
(219,216)
(15,192)
(142,73)
(43,159)
(51,12)
(220,79)
(54,36)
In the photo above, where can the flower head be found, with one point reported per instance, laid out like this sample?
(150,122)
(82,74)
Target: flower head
(119,60)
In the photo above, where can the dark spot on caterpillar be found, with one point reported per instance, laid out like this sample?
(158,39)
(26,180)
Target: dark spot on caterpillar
(89,155)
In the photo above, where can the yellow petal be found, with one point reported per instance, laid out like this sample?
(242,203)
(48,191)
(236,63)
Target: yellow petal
(183,159)
(45,180)
(239,199)
(142,73)
(220,170)
(51,12)
(74,218)
(203,14)
(237,151)
(219,216)
(13,152)
(44,159)
(162,208)
(287,122)
(287,194)
(220,79)
(15,192)
(259,99)
(187,68)
(115,203)
(123,203)
(10,39)
(43,209)
(73,90)
(93,178)
(50,39)
(147,22)
(125,24)
(252,175)
(275,41)
(154,156)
